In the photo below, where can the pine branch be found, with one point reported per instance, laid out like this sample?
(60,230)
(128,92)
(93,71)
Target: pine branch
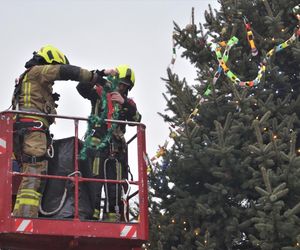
(266,178)
(268,8)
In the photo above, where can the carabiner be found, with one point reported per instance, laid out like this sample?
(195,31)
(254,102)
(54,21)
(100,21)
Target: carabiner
(41,124)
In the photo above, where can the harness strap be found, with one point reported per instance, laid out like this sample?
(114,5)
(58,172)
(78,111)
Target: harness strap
(35,118)
(110,109)
(30,124)
(17,90)
(32,159)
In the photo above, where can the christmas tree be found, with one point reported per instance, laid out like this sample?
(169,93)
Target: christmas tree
(231,179)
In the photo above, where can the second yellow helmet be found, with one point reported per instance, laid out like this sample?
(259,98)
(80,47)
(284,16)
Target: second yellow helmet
(126,75)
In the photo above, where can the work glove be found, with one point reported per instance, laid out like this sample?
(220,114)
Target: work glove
(55,96)
(116,96)
(97,77)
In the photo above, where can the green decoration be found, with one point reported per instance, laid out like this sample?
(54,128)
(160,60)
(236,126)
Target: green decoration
(98,121)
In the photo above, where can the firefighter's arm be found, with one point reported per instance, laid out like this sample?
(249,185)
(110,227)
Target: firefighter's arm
(85,90)
(69,72)
(132,113)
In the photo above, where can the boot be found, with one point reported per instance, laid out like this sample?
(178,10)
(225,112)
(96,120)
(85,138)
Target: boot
(111,217)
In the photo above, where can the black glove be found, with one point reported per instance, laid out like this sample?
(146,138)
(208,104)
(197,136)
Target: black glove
(98,77)
(55,96)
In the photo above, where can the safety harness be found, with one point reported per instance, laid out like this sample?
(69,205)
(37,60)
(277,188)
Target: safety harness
(23,126)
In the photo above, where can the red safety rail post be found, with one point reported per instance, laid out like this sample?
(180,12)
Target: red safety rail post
(143,184)
(76,168)
(6,131)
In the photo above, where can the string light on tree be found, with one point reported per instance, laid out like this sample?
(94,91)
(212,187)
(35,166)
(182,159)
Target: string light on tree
(197,231)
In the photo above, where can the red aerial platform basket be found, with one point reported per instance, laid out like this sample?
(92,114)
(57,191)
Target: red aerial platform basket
(58,234)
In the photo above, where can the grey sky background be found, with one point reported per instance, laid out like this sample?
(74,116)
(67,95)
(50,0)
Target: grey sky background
(95,35)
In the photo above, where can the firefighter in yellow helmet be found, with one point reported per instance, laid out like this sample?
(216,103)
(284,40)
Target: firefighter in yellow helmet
(110,161)
(34,93)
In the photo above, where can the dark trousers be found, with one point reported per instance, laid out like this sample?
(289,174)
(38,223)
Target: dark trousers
(109,168)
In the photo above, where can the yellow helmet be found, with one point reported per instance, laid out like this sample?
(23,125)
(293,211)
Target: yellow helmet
(126,75)
(52,55)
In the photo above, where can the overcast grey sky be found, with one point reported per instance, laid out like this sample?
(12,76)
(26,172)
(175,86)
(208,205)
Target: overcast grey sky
(97,34)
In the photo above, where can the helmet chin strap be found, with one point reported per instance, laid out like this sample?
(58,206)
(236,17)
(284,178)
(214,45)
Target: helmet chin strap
(35,60)
(123,90)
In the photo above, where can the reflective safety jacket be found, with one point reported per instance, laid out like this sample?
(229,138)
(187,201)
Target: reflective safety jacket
(35,92)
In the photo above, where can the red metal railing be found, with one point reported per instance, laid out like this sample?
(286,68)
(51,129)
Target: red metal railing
(73,232)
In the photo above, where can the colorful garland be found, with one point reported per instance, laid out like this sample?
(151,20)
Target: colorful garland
(223,58)
(98,121)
